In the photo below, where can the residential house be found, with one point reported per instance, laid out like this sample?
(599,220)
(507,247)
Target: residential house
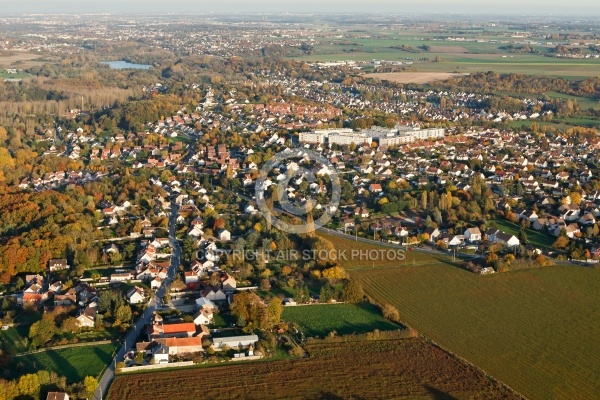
(490,234)
(156,283)
(375,188)
(571,230)
(234,342)
(506,239)
(57,396)
(87,318)
(32,298)
(203,316)
(65,300)
(34,288)
(571,215)
(228,282)
(214,294)
(224,235)
(587,220)
(433,233)
(472,235)
(205,303)
(348,223)
(58,264)
(362,212)
(191,277)
(55,287)
(120,277)
(161,355)
(452,240)
(160,329)
(136,295)
(529,215)
(172,346)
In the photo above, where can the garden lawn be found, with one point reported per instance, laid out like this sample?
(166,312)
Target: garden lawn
(537,239)
(75,363)
(319,320)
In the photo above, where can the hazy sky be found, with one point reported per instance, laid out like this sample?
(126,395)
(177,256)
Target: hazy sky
(590,8)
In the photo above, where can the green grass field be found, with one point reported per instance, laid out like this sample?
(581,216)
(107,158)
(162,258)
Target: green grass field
(480,57)
(74,363)
(319,320)
(535,330)
(584,103)
(6,75)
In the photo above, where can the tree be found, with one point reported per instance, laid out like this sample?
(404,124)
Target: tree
(326,294)
(352,292)
(123,314)
(19,283)
(29,385)
(42,331)
(274,311)
(265,284)
(6,159)
(302,294)
(3,134)
(189,248)
(90,384)
(390,312)
(119,366)
(70,324)
(575,198)
(437,215)
(334,273)
(324,250)
(561,242)
(523,236)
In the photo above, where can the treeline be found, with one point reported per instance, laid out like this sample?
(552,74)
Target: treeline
(492,82)
(37,386)
(40,226)
(519,48)
(133,116)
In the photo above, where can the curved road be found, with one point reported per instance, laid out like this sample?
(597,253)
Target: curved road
(144,319)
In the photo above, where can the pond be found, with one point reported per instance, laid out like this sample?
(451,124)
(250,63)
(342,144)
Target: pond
(125,65)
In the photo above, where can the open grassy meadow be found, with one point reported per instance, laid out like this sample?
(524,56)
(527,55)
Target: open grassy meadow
(75,363)
(374,369)
(535,330)
(319,320)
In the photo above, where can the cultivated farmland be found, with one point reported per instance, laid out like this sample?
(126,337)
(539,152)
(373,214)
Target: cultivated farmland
(535,330)
(375,255)
(413,77)
(319,320)
(378,369)
(19,59)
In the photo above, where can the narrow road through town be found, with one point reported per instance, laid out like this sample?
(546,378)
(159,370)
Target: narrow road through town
(144,319)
